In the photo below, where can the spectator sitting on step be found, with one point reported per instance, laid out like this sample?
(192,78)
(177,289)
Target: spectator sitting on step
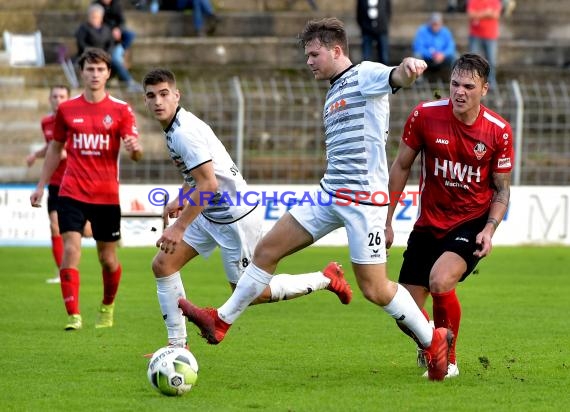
(115,19)
(434,43)
(93,33)
(201,9)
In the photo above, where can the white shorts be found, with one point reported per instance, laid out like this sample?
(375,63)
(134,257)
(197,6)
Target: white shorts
(236,240)
(364,225)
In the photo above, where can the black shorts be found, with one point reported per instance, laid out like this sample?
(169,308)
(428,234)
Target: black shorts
(53,198)
(105,219)
(424,249)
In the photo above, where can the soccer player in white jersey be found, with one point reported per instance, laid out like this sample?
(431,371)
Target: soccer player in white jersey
(355,116)
(209,214)
(467,156)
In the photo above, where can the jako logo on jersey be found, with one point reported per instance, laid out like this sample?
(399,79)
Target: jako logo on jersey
(77,120)
(504,163)
(441,141)
(456,170)
(107,121)
(480,149)
(91,141)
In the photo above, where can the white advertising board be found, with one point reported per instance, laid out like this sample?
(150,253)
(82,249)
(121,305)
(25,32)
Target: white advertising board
(536,215)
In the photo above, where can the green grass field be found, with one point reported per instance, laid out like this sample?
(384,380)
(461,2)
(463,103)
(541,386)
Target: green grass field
(310,354)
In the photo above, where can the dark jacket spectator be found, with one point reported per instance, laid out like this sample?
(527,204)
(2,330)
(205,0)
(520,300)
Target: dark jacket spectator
(91,33)
(374,20)
(94,33)
(114,18)
(373,17)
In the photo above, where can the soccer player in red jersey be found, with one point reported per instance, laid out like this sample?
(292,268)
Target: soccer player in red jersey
(91,127)
(466,160)
(57,94)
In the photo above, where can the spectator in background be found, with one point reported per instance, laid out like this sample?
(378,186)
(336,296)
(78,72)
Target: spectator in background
(434,43)
(115,20)
(93,33)
(373,17)
(484,18)
(201,9)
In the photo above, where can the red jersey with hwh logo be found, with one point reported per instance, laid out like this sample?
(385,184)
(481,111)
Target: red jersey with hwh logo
(457,163)
(93,132)
(48,123)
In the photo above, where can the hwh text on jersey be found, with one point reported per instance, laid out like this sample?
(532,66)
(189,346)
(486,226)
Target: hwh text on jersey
(90,141)
(456,170)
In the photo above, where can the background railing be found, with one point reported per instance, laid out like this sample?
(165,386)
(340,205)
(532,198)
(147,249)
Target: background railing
(273,127)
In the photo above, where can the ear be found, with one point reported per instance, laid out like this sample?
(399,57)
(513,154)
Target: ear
(337,51)
(485,89)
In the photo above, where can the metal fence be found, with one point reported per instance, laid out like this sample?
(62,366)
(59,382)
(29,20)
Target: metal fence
(273,127)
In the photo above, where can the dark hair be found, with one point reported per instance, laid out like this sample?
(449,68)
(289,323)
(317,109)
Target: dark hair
(60,86)
(329,31)
(157,76)
(472,63)
(94,55)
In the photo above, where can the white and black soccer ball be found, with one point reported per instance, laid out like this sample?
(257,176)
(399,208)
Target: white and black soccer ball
(172,371)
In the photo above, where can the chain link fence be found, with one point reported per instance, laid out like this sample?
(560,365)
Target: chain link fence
(273,129)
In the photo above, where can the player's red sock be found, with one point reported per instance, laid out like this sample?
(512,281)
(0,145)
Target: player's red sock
(111,284)
(447,314)
(57,249)
(70,289)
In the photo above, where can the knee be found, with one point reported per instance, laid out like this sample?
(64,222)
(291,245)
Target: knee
(375,295)
(441,282)
(370,295)
(54,228)
(264,255)
(71,249)
(108,261)
(158,265)
(379,293)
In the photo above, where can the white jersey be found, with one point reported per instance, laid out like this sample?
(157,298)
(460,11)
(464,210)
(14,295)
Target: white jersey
(191,143)
(356,118)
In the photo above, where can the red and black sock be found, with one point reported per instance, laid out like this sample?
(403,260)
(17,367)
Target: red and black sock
(70,289)
(57,249)
(111,282)
(447,314)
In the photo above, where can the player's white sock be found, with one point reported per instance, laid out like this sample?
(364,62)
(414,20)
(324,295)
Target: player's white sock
(169,289)
(285,286)
(253,281)
(404,309)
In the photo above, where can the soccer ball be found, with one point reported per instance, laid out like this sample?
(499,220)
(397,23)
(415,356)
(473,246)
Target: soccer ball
(172,371)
